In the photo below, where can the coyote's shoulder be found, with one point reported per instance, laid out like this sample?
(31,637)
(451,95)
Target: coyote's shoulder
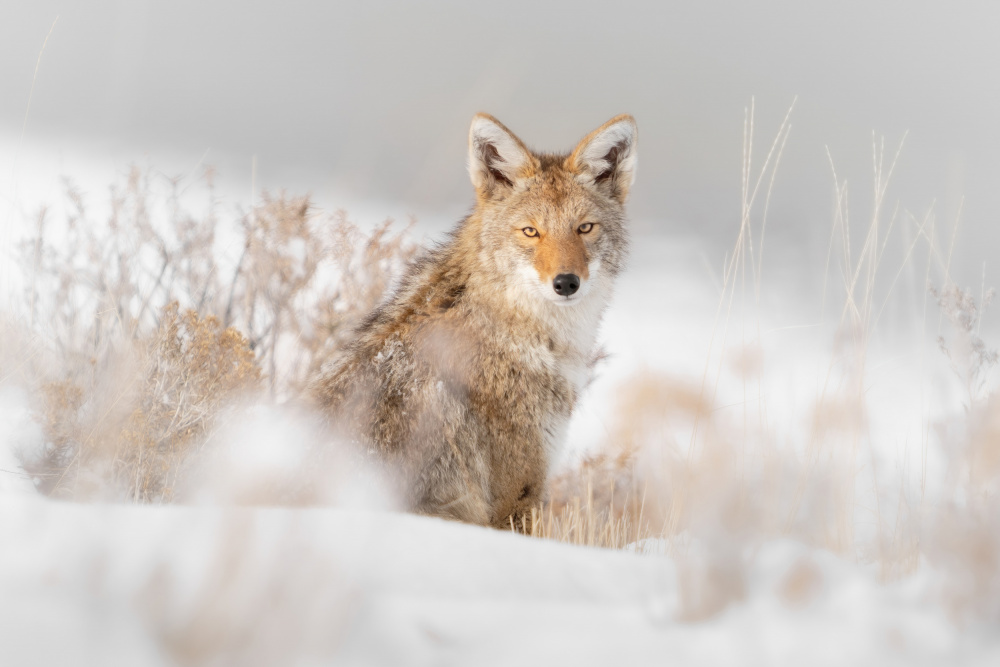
(464,380)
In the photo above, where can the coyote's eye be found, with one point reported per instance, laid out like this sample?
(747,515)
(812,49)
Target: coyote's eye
(585,228)
(530,231)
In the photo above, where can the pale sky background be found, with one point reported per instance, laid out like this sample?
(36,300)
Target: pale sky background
(370,101)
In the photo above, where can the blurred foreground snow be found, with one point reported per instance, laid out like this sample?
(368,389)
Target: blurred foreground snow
(133,585)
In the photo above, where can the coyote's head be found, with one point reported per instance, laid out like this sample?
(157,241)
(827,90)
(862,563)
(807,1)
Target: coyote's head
(553,226)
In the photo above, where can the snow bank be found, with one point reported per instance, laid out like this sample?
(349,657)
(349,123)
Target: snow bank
(129,585)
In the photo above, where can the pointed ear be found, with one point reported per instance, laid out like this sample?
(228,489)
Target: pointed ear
(606,158)
(497,158)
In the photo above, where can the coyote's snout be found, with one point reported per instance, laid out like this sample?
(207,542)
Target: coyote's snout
(464,380)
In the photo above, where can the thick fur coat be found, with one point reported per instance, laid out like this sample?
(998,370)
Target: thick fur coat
(464,380)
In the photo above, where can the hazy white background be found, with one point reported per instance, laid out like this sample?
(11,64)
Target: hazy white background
(366,104)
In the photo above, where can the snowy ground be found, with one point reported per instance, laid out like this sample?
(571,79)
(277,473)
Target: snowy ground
(125,585)
(141,585)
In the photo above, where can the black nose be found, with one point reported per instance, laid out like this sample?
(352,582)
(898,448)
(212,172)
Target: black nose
(566,284)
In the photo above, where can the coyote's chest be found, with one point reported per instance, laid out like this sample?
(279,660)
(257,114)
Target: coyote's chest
(540,385)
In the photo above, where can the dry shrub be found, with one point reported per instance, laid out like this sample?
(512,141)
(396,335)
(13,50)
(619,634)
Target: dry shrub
(963,536)
(93,282)
(141,332)
(303,283)
(971,360)
(364,266)
(194,369)
(281,255)
(128,432)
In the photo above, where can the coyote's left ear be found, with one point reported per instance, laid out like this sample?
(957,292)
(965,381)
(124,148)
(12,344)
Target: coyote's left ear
(606,157)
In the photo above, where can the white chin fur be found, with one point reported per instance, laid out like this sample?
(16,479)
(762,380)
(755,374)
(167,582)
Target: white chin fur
(543,290)
(566,300)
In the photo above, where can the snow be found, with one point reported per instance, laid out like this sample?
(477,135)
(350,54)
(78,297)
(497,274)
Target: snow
(129,585)
(17,431)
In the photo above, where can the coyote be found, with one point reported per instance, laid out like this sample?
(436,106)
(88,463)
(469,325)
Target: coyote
(463,381)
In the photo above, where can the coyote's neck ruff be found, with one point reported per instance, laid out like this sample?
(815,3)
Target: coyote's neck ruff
(464,380)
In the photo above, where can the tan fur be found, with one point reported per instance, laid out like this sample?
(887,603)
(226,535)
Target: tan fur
(464,380)
(561,251)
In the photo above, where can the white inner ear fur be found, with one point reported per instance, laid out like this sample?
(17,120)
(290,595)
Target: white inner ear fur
(622,135)
(510,159)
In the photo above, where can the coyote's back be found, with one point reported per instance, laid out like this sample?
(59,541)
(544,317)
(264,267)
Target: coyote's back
(463,382)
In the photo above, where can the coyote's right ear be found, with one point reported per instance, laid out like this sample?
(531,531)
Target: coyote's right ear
(606,157)
(497,158)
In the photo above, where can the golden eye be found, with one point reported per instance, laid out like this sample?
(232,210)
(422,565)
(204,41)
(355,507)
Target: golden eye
(585,228)
(530,231)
